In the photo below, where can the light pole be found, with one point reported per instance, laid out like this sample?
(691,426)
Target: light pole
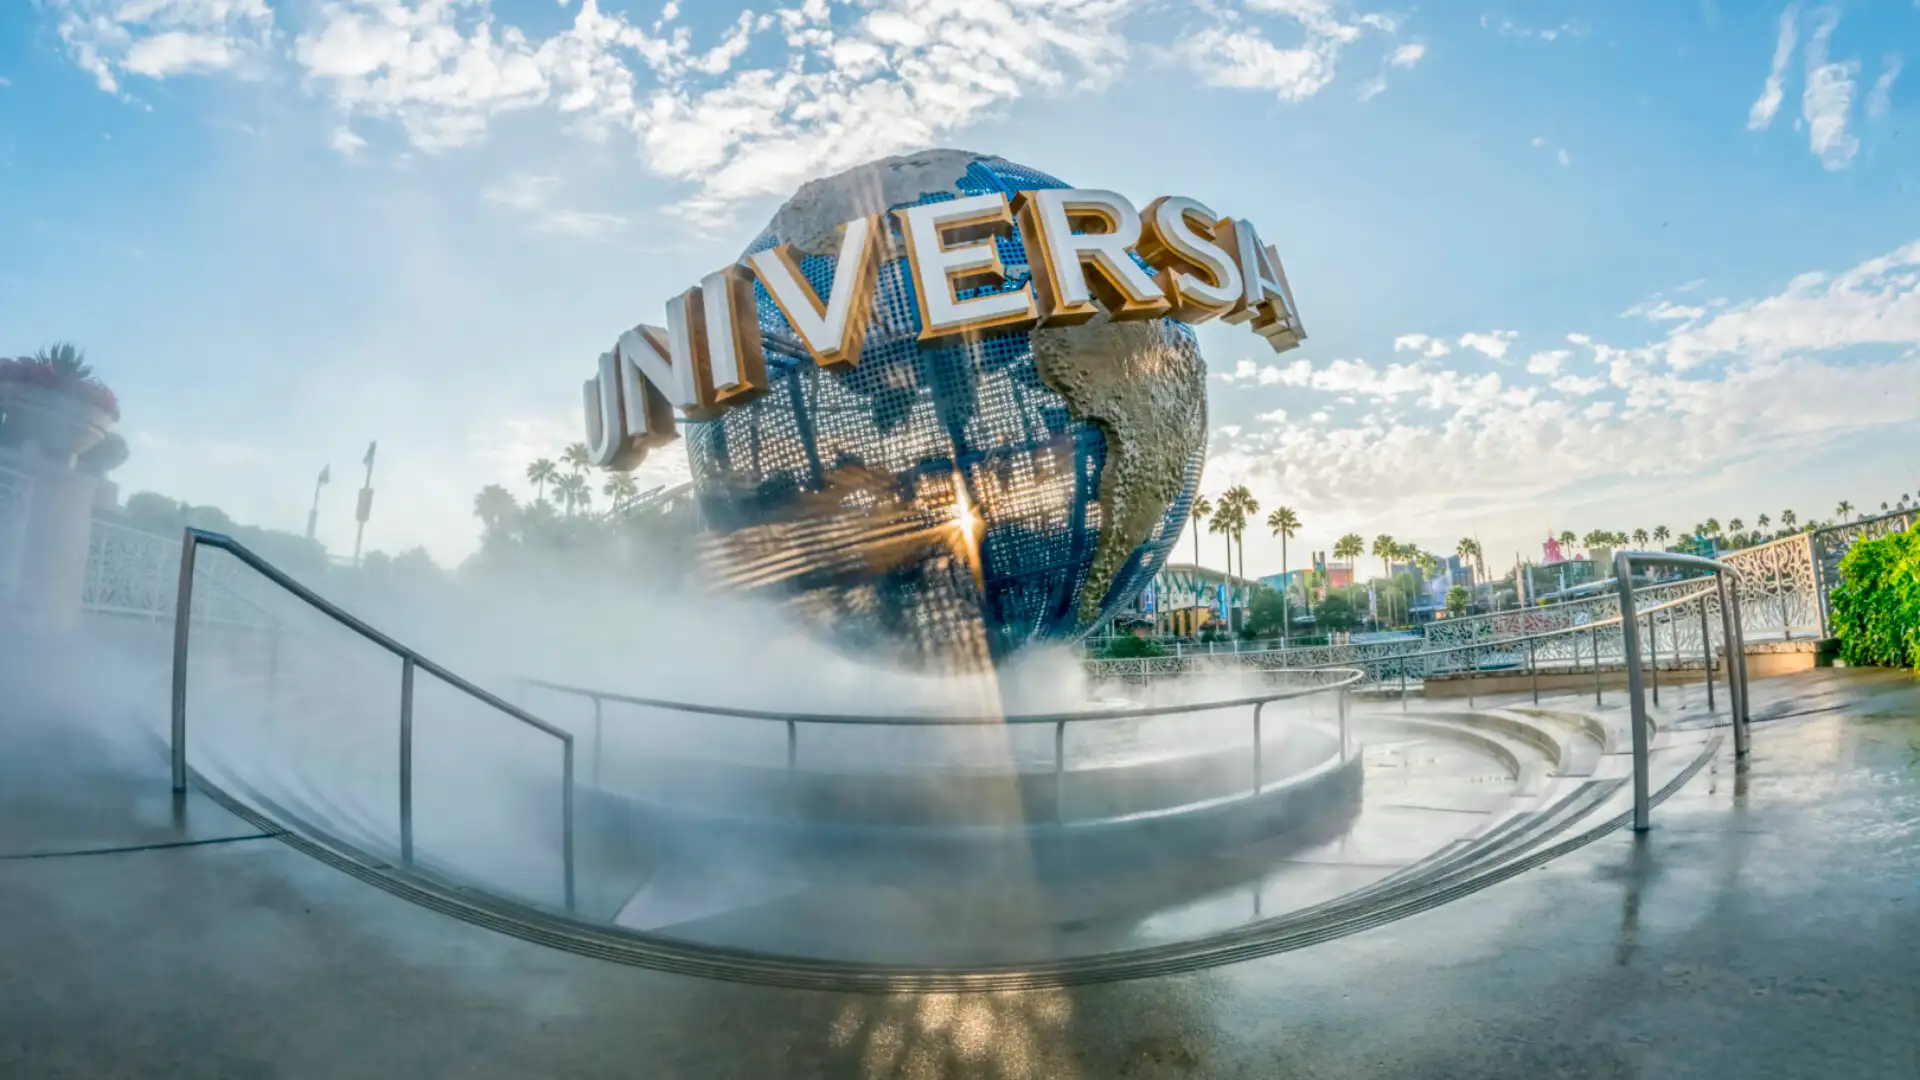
(366,502)
(313,515)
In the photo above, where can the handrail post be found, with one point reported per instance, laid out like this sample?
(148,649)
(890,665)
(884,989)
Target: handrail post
(406,760)
(1653,653)
(1257,706)
(1533,670)
(793,749)
(597,703)
(1343,723)
(1473,669)
(1636,705)
(1595,635)
(566,816)
(1706,649)
(1060,772)
(1728,647)
(1403,687)
(1736,665)
(182,620)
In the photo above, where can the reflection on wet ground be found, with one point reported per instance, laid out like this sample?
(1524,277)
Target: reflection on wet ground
(1769,926)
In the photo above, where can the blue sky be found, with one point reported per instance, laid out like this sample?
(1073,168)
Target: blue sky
(1587,265)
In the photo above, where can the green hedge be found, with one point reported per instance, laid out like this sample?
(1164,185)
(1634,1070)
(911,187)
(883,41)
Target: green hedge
(1876,608)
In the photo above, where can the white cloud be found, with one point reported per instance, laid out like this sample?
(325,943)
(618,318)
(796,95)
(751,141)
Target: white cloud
(1880,98)
(1876,303)
(1422,344)
(1788,386)
(1579,385)
(1827,101)
(1767,105)
(1657,310)
(1563,157)
(1547,362)
(345,142)
(1373,88)
(1236,52)
(1539,141)
(1493,343)
(1508,28)
(5,82)
(160,38)
(532,196)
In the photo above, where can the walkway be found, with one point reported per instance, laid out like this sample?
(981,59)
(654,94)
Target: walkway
(1769,927)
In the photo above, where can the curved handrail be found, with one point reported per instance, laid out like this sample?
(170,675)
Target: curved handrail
(937,720)
(191,541)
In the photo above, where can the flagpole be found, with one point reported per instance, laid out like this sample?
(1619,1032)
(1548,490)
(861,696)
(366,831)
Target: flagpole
(366,503)
(313,514)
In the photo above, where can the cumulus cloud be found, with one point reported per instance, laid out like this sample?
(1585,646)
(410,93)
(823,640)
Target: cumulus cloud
(1422,344)
(157,39)
(1236,51)
(1783,373)
(1827,101)
(1493,343)
(1547,362)
(1767,105)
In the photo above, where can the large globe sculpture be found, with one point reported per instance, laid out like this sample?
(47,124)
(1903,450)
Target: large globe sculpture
(950,504)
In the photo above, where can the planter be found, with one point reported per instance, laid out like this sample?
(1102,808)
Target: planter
(51,423)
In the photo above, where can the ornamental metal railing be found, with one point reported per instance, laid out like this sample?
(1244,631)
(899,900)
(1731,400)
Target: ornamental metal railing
(1786,585)
(412,664)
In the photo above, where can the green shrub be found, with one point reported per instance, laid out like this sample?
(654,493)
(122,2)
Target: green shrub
(1133,648)
(1876,608)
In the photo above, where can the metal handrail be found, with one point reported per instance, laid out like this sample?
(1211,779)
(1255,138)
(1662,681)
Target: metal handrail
(411,661)
(961,720)
(1058,720)
(1727,584)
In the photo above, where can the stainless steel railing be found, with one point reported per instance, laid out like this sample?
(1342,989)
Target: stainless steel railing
(1727,587)
(411,662)
(1339,681)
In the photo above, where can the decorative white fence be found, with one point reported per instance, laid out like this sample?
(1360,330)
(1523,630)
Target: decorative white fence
(137,574)
(16,497)
(1785,587)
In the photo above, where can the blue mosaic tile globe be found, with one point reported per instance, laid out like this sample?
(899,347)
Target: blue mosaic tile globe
(953,503)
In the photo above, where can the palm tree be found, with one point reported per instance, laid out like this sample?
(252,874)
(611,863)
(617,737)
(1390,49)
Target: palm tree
(620,488)
(575,455)
(1245,506)
(1349,547)
(1735,525)
(495,506)
(1640,538)
(1762,522)
(1223,523)
(574,493)
(1787,519)
(538,473)
(1284,523)
(1197,513)
(1841,511)
(1385,549)
(1469,549)
(66,359)
(1567,540)
(1711,527)
(1661,533)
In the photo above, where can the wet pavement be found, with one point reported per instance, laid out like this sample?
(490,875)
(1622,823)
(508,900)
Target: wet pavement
(1767,927)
